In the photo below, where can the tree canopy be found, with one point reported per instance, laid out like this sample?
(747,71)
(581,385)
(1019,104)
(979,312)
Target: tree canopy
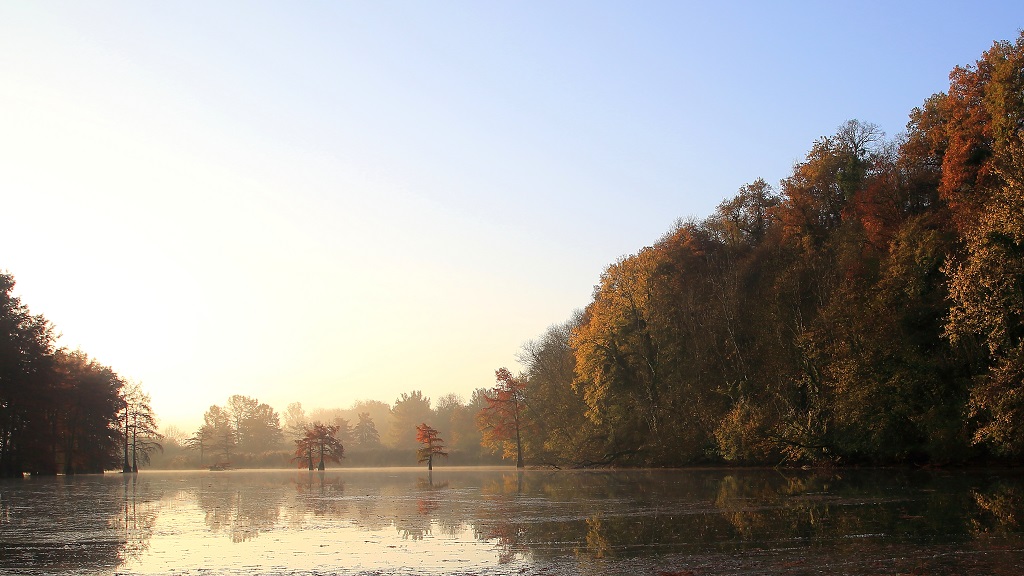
(869,309)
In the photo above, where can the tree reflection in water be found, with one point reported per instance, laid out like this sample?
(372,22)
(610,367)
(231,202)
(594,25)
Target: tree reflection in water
(320,495)
(1000,509)
(707,521)
(140,509)
(240,505)
(91,523)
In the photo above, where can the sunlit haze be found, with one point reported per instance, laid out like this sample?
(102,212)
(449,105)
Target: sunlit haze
(323,202)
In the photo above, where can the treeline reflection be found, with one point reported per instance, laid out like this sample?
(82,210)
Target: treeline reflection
(531,516)
(540,515)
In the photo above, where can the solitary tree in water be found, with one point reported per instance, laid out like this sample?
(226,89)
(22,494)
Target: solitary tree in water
(433,445)
(320,440)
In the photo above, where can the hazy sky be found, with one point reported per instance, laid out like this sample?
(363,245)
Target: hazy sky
(331,201)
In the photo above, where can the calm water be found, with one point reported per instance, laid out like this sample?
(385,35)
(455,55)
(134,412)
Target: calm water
(472,521)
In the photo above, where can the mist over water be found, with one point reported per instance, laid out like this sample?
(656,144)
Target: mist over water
(499,521)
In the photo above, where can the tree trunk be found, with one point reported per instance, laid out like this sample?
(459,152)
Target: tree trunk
(519,448)
(135,447)
(125,469)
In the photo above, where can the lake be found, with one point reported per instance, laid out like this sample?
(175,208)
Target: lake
(473,521)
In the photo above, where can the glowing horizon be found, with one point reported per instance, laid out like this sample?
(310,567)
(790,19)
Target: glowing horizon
(330,203)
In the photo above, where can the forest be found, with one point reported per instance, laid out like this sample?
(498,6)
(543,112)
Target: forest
(62,411)
(869,309)
(866,311)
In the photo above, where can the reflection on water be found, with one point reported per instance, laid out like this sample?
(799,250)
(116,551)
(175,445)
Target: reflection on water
(473,521)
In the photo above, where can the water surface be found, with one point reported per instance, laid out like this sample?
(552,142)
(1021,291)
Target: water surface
(499,521)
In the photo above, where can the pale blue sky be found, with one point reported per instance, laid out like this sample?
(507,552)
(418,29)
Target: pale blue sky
(331,201)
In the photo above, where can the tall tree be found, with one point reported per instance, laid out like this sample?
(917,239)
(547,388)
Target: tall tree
(503,419)
(83,416)
(26,367)
(983,177)
(141,436)
(987,289)
(560,431)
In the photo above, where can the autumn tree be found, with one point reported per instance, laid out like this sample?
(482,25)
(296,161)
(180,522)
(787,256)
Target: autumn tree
(983,174)
(559,430)
(320,440)
(612,368)
(867,312)
(431,445)
(987,289)
(503,419)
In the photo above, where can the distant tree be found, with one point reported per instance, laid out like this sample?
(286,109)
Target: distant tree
(432,445)
(262,429)
(294,421)
(365,432)
(199,441)
(319,440)
(379,412)
(503,418)
(219,433)
(409,410)
(344,434)
(239,409)
(174,435)
(449,414)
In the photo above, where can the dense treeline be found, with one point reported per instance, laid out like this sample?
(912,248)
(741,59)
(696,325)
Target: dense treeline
(61,411)
(869,310)
(245,432)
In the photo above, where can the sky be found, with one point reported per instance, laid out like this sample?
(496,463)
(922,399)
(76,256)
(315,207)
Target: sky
(325,202)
